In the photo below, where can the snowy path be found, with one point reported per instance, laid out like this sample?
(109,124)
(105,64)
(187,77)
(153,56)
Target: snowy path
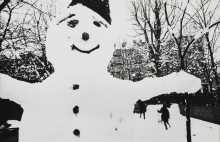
(150,130)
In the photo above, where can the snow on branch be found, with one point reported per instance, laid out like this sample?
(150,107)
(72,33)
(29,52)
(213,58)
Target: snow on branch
(201,32)
(205,30)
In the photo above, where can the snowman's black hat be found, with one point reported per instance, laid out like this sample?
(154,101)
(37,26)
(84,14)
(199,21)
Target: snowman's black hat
(99,6)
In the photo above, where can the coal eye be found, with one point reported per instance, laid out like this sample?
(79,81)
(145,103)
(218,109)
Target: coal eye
(73,23)
(97,24)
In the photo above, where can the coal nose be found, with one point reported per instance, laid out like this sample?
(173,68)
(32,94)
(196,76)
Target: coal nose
(85,36)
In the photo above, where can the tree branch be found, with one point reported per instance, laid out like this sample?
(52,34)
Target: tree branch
(2,6)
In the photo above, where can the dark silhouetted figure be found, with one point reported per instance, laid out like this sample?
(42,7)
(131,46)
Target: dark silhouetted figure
(76,132)
(165,115)
(9,110)
(76,110)
(142,107)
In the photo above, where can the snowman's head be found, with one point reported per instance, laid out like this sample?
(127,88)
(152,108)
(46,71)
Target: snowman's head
(80,27)
(77,37)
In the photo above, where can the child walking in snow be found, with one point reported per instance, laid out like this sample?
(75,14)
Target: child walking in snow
(165,115)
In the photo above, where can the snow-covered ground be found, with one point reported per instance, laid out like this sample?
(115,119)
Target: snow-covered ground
(151,130)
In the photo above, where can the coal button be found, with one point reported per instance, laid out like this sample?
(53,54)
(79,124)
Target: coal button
(75,86)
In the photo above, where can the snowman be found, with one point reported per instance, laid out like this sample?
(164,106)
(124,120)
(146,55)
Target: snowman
(79,46)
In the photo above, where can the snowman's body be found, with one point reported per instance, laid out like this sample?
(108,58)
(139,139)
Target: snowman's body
(105,103)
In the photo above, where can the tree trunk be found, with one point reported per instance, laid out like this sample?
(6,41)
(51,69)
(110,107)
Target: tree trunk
(157,35)
(182,63)
(218,96)
(157,66)
(5,2)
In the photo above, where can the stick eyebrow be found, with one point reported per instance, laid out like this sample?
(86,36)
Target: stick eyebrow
(100,22)
(69,16)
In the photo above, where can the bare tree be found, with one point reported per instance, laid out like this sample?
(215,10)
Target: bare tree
(185,18)
(148,19)
(23,35)
(205,17)
(193,61)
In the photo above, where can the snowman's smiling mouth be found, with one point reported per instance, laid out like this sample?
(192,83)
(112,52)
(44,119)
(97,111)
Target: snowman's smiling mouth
(84,51)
